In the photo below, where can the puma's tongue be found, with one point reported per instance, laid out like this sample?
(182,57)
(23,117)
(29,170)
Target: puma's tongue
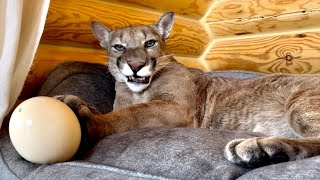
(138,79)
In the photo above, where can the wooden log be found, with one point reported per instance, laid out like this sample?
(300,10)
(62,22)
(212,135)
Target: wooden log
(287,53)
(270,24)
(191,8)
(231,9)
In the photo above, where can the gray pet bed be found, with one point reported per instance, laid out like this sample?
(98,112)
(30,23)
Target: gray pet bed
(162,153)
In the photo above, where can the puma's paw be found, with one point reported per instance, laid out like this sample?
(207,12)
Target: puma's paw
(78,106)
(255,152)
(84,114)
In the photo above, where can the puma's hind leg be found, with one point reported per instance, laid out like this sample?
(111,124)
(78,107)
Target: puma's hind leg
(303,116)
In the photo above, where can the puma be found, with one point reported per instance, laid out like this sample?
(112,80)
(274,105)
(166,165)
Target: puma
(154,90)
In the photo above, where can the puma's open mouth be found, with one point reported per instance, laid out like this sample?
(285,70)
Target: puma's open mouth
(138,79)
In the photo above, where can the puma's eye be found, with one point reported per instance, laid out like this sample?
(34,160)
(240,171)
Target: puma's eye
(119,47)
(150,43)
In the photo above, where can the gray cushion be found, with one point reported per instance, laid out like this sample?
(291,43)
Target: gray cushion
(92,82)
(178,153)
(12,165)
(182,153)
(85,170)
(233,74)
(302,169)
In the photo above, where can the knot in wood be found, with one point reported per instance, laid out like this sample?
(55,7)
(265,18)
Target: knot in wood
(301,35)
(288,57)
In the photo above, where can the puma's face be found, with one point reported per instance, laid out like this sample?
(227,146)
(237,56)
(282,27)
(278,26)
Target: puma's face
(133,55)
(134,52)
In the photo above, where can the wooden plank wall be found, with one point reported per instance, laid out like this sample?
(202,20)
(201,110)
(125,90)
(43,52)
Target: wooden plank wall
(255,35)
(266,36)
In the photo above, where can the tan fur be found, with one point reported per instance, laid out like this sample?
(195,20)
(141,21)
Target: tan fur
(281,105)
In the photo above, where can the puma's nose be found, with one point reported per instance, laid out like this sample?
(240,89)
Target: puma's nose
(136,66)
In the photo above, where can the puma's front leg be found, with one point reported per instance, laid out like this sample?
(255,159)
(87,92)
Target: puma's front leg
(152,114)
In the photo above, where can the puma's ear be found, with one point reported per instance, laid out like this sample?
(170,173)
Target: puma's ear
(101,33)
(165,23)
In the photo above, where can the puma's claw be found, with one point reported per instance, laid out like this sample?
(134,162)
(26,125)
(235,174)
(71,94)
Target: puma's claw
(78,106)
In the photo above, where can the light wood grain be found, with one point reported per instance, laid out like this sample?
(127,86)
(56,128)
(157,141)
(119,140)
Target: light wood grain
(281,23)
(289,53)
(234,9)
(191,62)
(190,8)
(69,24)
(47,52)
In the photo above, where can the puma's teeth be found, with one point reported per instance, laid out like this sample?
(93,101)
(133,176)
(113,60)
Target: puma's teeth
(138,79)
(131,78)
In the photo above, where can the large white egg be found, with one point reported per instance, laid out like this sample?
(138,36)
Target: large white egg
(44,130)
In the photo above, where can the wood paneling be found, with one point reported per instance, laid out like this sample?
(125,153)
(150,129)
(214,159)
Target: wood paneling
(276,36)
(191,8)
(289,53)
(46,52)
(234,9)
(191,62)
(295,21)
(69,24)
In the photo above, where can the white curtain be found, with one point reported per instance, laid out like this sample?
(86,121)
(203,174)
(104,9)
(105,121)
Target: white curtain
(21,26)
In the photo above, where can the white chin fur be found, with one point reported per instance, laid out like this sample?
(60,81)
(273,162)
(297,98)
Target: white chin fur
(136,87)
